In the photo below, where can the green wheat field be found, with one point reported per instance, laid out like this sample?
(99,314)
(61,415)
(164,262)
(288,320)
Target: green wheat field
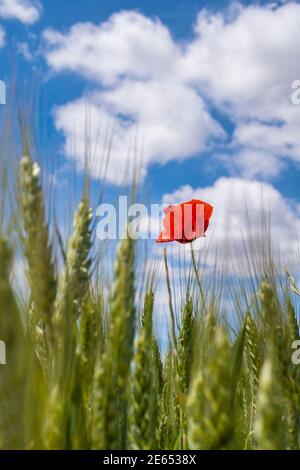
(84,365)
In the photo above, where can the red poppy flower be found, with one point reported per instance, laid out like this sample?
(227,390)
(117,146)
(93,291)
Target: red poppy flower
(185,222)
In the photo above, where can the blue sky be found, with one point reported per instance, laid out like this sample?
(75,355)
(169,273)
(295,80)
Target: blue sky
(201,90)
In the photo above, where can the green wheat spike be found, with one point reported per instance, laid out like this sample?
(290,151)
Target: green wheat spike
(209,402)
(269,425)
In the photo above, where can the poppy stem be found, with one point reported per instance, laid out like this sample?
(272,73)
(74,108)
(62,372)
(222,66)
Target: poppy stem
(172,315)
(198,279)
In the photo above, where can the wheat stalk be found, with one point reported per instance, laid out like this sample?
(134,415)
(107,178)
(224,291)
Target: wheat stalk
(269,423)
(209,401)
(38,252)
(110,387)
(12,376)
(142,423)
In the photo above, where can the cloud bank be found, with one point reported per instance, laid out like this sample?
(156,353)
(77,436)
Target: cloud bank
(240,62)
(134,61)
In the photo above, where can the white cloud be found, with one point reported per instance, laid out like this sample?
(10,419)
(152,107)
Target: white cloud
(240,208)
(243,60)
(2,37)
(246,62)
(163,131)
(279,141)
(135,60)
(73,119)
(253,162)
(128,44)
(26,11)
